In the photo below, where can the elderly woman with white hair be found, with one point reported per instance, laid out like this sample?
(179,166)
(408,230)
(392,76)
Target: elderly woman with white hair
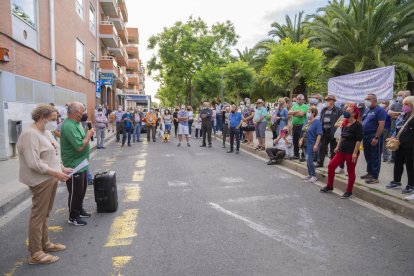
(405,152)
(41,169)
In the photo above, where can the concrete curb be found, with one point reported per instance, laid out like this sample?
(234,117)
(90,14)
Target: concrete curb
(19,197)
(369,194)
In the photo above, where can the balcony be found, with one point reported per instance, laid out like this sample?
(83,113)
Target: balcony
(133,37)
(123,34)
(108,65)
(119,53)
(132,50)
(109,7)
(133,78)
(118,21)
(108,34)
(133,64)
(123,10)
(131,91)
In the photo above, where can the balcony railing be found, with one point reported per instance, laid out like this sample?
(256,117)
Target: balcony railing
(109,7)
(108,34)
(109,65)
(123,10)
(133,78)
(133,64)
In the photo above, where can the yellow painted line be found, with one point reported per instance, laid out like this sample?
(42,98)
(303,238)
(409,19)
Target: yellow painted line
(122,230)
(138,176)
(60,211)
(55,228)
(141,163)
(141,156)
(14,268)
(118,263)
(27,242)
(132,193)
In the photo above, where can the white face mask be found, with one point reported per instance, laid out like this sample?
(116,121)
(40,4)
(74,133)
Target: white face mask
(51,125)
(382,105)
(368,103)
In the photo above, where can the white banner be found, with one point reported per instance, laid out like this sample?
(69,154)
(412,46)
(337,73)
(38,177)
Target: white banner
(354,87)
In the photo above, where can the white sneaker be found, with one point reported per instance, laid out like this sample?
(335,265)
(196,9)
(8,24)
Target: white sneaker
(313,179)
(410,197)
(307,178)
(339,170)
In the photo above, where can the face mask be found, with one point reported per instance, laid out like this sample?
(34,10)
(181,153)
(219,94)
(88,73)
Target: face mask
(382,105)
(313,101)
(368,103)
(347,115)
(100,113)
(119,109)
(308,115)
(51,125)
(399,99)
(406,109)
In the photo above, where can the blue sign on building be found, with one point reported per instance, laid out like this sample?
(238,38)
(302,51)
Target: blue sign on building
(106,79)
(98,89)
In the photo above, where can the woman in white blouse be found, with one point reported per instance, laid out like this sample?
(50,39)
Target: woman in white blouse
(41,169)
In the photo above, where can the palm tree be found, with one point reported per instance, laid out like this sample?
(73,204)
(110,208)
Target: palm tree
(365,34)
(294,30)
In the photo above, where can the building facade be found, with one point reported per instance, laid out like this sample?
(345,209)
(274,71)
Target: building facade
(58,52)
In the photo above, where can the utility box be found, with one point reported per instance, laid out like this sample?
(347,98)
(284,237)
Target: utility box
(15,129)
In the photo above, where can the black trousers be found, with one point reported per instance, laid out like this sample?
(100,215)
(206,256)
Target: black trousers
(206,129)
(77,186)
(118,126)
(176,128)
(404,156)
(225,133)
(296,131)
(275,154)
(326,140)
(234,133)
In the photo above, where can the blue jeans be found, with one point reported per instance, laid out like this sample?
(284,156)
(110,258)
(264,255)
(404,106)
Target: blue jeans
(309,160)
(190,125)
(373,154)
(168,128)
(219,125)
(137,132)
(127,131)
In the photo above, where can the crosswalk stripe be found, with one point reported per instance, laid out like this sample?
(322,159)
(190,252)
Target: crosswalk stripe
(122,230)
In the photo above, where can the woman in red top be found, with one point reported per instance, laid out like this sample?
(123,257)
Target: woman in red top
(347,150)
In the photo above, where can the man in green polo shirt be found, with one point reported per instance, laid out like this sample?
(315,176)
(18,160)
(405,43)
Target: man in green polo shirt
(298,113)
(75,149)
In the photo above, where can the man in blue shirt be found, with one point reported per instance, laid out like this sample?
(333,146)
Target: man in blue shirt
(373,122)
(127,124)
(259,121)
(235,121)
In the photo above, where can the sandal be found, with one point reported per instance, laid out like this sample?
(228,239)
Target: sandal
(54,247)
(42,258)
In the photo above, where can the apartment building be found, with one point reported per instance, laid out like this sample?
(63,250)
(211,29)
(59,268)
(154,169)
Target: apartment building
(50,44)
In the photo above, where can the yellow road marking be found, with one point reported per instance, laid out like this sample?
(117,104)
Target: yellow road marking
(60,211)
(141,156)
(55,228)
(141,163)
(14,268)
(132,193)
(27,242)
(123,229)
(118,263)
(138,176)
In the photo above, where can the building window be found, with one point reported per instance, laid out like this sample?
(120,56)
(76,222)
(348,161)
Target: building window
(92,20)
(25,10)
(80,57)
(94,64)
(79,8)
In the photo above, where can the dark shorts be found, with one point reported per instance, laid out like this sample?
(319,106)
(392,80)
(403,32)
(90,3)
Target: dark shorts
(248,128)
(261,130)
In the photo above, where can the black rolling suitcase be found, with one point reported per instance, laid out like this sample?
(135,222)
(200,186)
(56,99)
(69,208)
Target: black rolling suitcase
(106,193)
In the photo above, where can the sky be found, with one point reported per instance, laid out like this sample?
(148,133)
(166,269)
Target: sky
(252,19)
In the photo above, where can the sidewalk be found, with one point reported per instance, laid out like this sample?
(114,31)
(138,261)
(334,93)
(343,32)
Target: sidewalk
(12,191)
(390,199)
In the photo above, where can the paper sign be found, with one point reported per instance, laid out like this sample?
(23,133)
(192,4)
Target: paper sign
(79,167)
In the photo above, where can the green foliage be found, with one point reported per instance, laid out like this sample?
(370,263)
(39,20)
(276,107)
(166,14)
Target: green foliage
(207,82)
(295,30)
(289,63)
(239,79)
(183,49)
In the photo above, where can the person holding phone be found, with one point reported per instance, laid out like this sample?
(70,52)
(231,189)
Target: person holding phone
(283,146)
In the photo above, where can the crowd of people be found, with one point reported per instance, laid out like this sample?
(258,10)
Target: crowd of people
(306,130)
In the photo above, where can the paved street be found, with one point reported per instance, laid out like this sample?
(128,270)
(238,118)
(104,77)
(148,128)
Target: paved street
(200,211)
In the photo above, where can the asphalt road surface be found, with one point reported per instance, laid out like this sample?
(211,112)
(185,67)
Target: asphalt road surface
(201,211)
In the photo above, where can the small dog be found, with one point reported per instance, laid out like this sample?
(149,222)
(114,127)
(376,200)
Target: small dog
(166,137)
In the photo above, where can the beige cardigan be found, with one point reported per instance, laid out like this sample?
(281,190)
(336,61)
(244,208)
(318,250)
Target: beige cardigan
(38,151)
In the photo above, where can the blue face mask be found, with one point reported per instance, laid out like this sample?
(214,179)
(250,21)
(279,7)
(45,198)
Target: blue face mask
(347,115)
(399,99)
(314,101)
(308,115)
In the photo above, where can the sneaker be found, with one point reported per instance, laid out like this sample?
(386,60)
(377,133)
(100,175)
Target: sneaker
(223,146)
(372,181)
(408,190)
(179,145)
(326,189)
(237,151)
(367,176)
(294,158)
(339,170)
(188,145)
(230,151)
(122,145)
(271,162)
(203,146)
(77,221)
(209,145)
(346,195)
(393,184)
(302,159)
(313,179)
(318,166)
(84,214)
(410,197)
(385,160)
